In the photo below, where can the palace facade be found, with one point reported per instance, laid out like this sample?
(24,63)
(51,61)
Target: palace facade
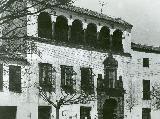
(76,49)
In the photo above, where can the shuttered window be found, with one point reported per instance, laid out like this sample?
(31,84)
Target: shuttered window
(44,112)
(146,89)
(15,78)
(87,82)
(45,77)
(67,73)
(146,113)
(1,77)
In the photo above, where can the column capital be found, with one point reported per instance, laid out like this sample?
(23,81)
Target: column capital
(70,22)
(99,28)
(53,18)
(112,31)
(85,25)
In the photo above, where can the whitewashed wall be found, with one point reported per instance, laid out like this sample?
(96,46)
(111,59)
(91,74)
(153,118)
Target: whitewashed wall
(138,73)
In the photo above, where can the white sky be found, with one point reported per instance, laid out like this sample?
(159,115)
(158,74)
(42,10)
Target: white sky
(144,15)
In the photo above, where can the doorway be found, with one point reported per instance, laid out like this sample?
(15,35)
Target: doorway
(109,109)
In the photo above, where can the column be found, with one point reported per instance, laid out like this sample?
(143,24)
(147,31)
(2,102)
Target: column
(53,18)
(69,28)
(84,30)
(111,40)
(98,31)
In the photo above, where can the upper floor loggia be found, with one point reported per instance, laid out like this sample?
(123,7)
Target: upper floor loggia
(80,28)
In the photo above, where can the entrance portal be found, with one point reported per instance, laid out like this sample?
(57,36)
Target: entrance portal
(109,109)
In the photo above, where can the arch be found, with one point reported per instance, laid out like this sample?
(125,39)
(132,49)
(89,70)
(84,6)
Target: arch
(109,109)
(44,25)
(61,29)
(117,40)
(91,35)
(104,38)
(77,32)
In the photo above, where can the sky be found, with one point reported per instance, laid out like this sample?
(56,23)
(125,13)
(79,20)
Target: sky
(144,15)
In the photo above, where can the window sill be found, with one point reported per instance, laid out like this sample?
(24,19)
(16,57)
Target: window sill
(1,91)
(148,99)
(17,92)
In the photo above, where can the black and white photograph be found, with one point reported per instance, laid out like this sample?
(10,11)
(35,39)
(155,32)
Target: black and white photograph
(79,59)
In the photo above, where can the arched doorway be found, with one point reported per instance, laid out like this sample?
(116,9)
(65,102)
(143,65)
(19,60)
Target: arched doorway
(61,29)
(77,32)
(117,41)
(109,109)
(91,35)
(104,38)
(44,25)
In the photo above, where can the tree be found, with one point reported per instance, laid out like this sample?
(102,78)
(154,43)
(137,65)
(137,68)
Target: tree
(155,96)
(13,22)
(132,96)
(13,9)
(64,98)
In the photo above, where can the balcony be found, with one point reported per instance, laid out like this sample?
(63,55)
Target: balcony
(114,92)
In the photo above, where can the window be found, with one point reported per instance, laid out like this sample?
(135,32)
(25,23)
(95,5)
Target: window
(100,82)
(91,35)
(8,112)
(15,78)
(61,29)
(44,25)
(44,112)
(1,77)
(87,82)
(112,78)
(145,62)
(67,73)
(110,68)
(77,32)
(45,77)
(85,112)
(146,89)
(146,113)
(117,41)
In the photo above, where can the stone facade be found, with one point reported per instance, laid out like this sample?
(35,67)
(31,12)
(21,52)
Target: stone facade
(59,49)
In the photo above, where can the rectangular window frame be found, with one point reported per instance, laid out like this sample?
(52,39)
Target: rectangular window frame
(8,112)
(47,70)
(44,110)
(146,90)
(146,113)
(146,62)
(87,85)
(67,80)
(15,74)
